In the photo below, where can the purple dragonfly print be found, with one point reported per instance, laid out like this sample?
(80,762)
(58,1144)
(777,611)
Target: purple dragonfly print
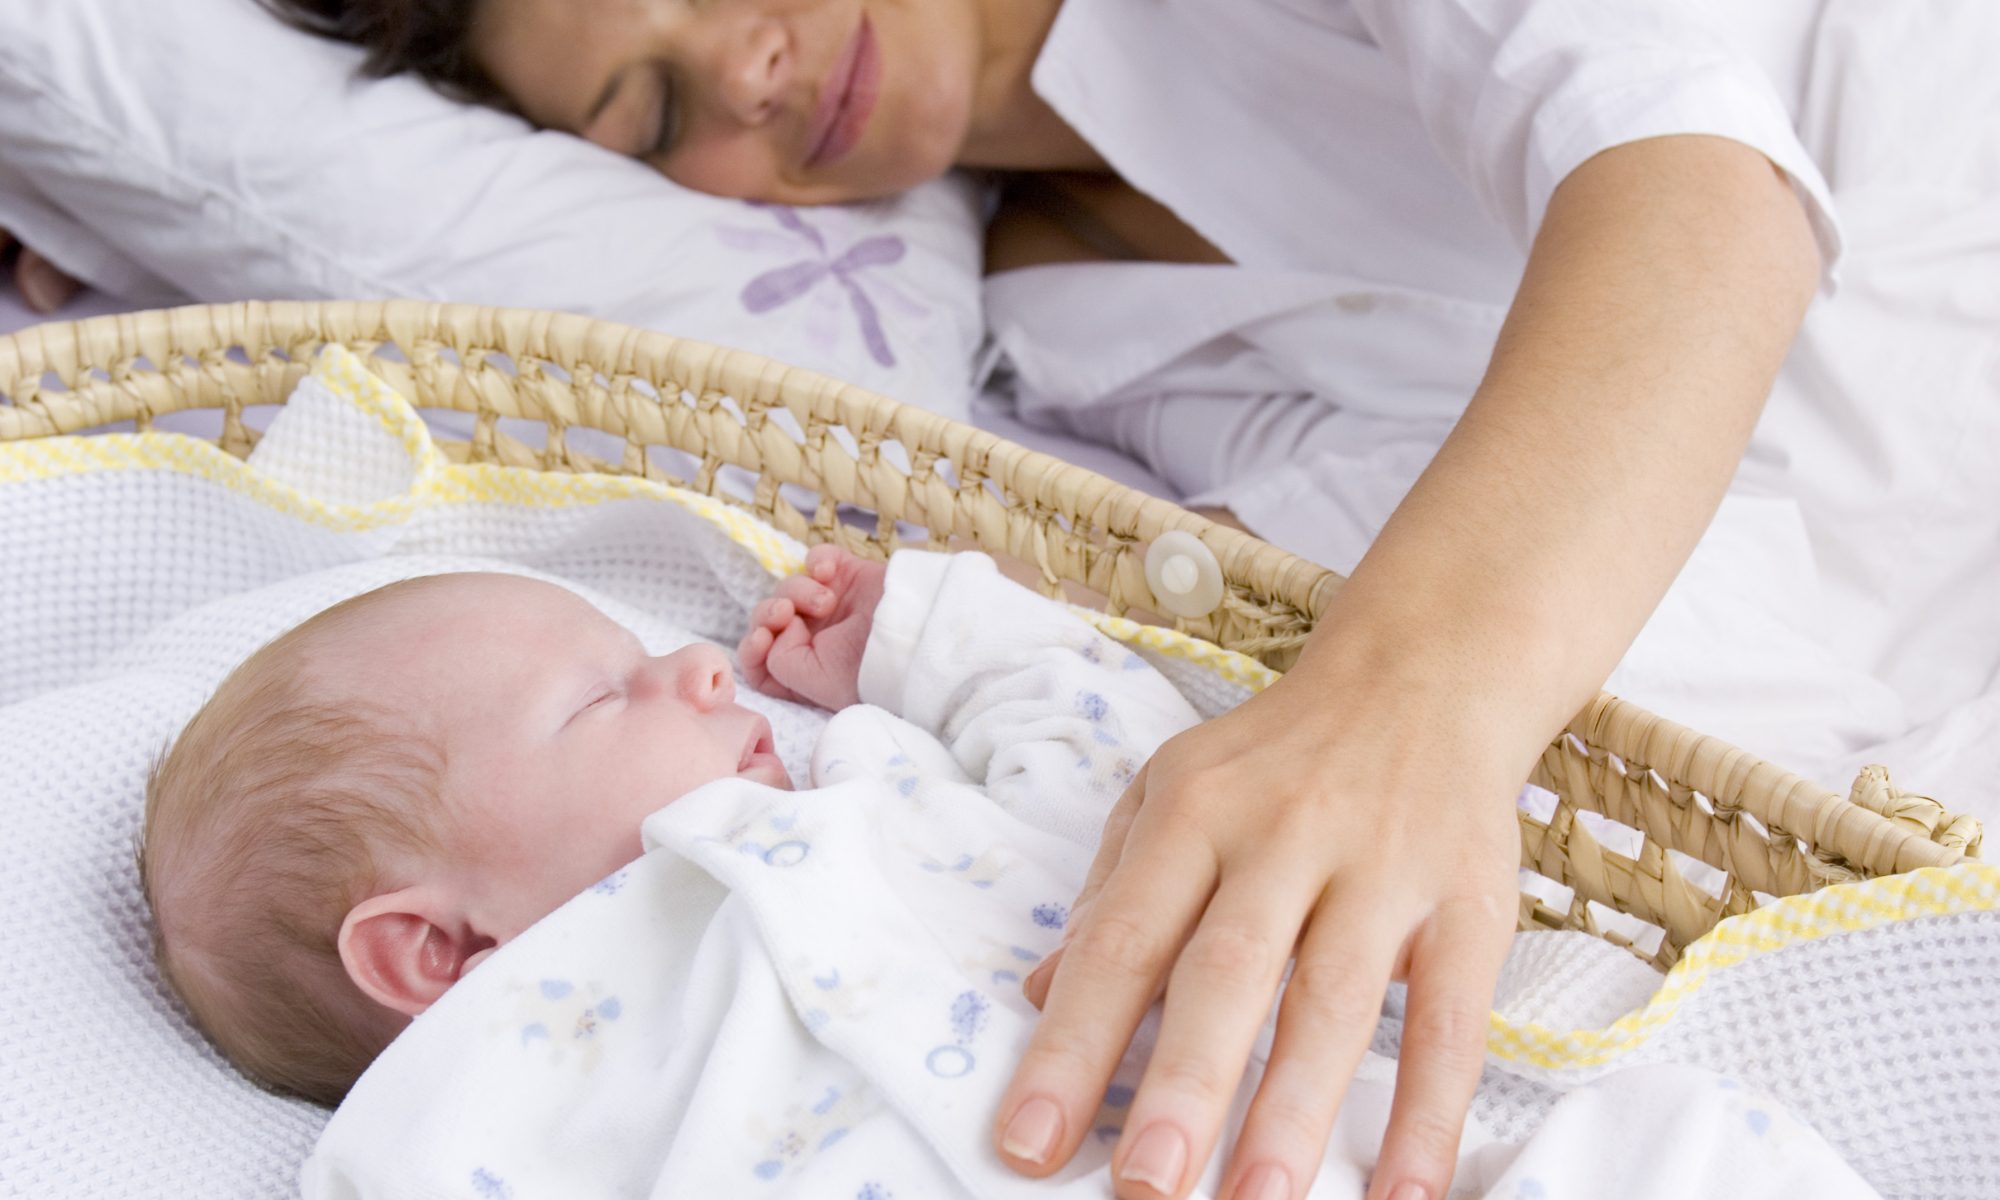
(819,265)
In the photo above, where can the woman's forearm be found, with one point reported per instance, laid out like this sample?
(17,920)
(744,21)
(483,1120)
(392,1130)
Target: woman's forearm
(1663,290)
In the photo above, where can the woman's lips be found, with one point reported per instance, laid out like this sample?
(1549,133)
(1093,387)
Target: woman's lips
(847,98)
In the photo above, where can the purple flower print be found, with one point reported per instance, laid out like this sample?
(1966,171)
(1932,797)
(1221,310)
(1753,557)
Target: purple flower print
(782,285)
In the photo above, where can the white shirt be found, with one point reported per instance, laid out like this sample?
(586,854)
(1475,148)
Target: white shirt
(1376,168)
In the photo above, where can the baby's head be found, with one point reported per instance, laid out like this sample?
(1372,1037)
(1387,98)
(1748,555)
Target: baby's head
(376,800)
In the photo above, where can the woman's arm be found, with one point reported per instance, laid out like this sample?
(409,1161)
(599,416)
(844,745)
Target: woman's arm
(1359,813)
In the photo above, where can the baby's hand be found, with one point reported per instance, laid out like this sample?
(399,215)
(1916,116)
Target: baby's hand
(806,638)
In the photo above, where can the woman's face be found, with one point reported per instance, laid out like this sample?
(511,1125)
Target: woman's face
(795,101)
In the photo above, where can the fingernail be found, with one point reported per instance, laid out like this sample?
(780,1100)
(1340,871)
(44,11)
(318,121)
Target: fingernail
(1409,1190)
(1266,1182)
(1157,1160)
(1033,1133)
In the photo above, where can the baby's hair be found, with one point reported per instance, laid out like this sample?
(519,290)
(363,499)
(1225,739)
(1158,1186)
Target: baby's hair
(429,38)
(265,824)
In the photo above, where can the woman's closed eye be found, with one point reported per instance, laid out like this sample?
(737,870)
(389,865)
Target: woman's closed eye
(668,131)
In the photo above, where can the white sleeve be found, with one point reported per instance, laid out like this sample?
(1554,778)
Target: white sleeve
(1050,715)
(1518,93)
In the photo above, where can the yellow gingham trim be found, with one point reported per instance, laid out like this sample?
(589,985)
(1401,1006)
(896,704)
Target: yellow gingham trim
(438,480)
(1790,921)
(1230,665)
(342,372)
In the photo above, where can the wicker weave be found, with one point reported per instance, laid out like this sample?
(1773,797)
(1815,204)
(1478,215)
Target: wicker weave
(1769,831)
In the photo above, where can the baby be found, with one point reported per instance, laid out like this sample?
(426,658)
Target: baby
(376,801)
(644,964)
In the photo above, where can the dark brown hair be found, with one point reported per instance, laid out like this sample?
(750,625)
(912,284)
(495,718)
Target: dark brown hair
(429,38)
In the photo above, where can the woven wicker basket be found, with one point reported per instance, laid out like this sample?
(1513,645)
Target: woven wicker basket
(1767,830)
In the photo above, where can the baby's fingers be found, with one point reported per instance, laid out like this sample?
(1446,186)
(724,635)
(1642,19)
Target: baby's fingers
(809,596)
(823,562)
(754,653)
(772,613)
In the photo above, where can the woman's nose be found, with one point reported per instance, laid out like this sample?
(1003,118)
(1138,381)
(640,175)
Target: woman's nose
(757,68)
(699,674)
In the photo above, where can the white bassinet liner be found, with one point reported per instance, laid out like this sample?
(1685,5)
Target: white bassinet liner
(141,568)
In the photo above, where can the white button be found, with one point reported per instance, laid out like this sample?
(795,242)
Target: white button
(1185,578)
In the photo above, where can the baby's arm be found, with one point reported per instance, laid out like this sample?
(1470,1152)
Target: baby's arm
(1053,717)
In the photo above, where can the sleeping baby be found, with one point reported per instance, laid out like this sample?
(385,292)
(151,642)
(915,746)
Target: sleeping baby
(459,767)
(545,916)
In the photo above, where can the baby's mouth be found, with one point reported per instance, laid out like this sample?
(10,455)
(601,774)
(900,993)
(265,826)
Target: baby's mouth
(760,745)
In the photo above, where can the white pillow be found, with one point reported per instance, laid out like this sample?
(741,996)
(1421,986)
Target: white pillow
(200,149)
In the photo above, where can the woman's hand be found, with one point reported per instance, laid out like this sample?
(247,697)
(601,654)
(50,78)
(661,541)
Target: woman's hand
(1362,803)
(1309,821)
(806,638)
(43,287)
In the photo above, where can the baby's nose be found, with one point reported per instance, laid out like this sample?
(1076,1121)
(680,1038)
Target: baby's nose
(700,673)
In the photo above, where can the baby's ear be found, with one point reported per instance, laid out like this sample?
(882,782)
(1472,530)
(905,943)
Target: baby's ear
(403,949)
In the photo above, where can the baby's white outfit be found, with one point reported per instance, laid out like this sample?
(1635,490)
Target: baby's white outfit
(817,993)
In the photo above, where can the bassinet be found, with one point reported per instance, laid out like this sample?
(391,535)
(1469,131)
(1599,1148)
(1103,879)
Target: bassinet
(1766,830)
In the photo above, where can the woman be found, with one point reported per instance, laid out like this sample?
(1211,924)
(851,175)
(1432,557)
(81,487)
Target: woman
(1619,181)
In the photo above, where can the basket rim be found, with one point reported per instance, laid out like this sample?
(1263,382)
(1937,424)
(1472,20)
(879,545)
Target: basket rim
(200,337)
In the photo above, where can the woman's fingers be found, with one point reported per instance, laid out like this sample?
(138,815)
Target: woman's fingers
(1110,974)
(1217,997)
(1454,964)
(42,284)
(1331,1007)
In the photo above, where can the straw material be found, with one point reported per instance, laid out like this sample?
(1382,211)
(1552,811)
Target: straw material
(1767,830)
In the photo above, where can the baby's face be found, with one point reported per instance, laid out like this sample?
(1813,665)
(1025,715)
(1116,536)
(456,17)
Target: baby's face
(561,734)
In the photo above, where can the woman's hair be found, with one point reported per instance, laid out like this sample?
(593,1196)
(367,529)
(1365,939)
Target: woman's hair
(429,38)
(266,822)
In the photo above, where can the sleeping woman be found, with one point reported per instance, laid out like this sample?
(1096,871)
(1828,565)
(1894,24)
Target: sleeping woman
(1579,238)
